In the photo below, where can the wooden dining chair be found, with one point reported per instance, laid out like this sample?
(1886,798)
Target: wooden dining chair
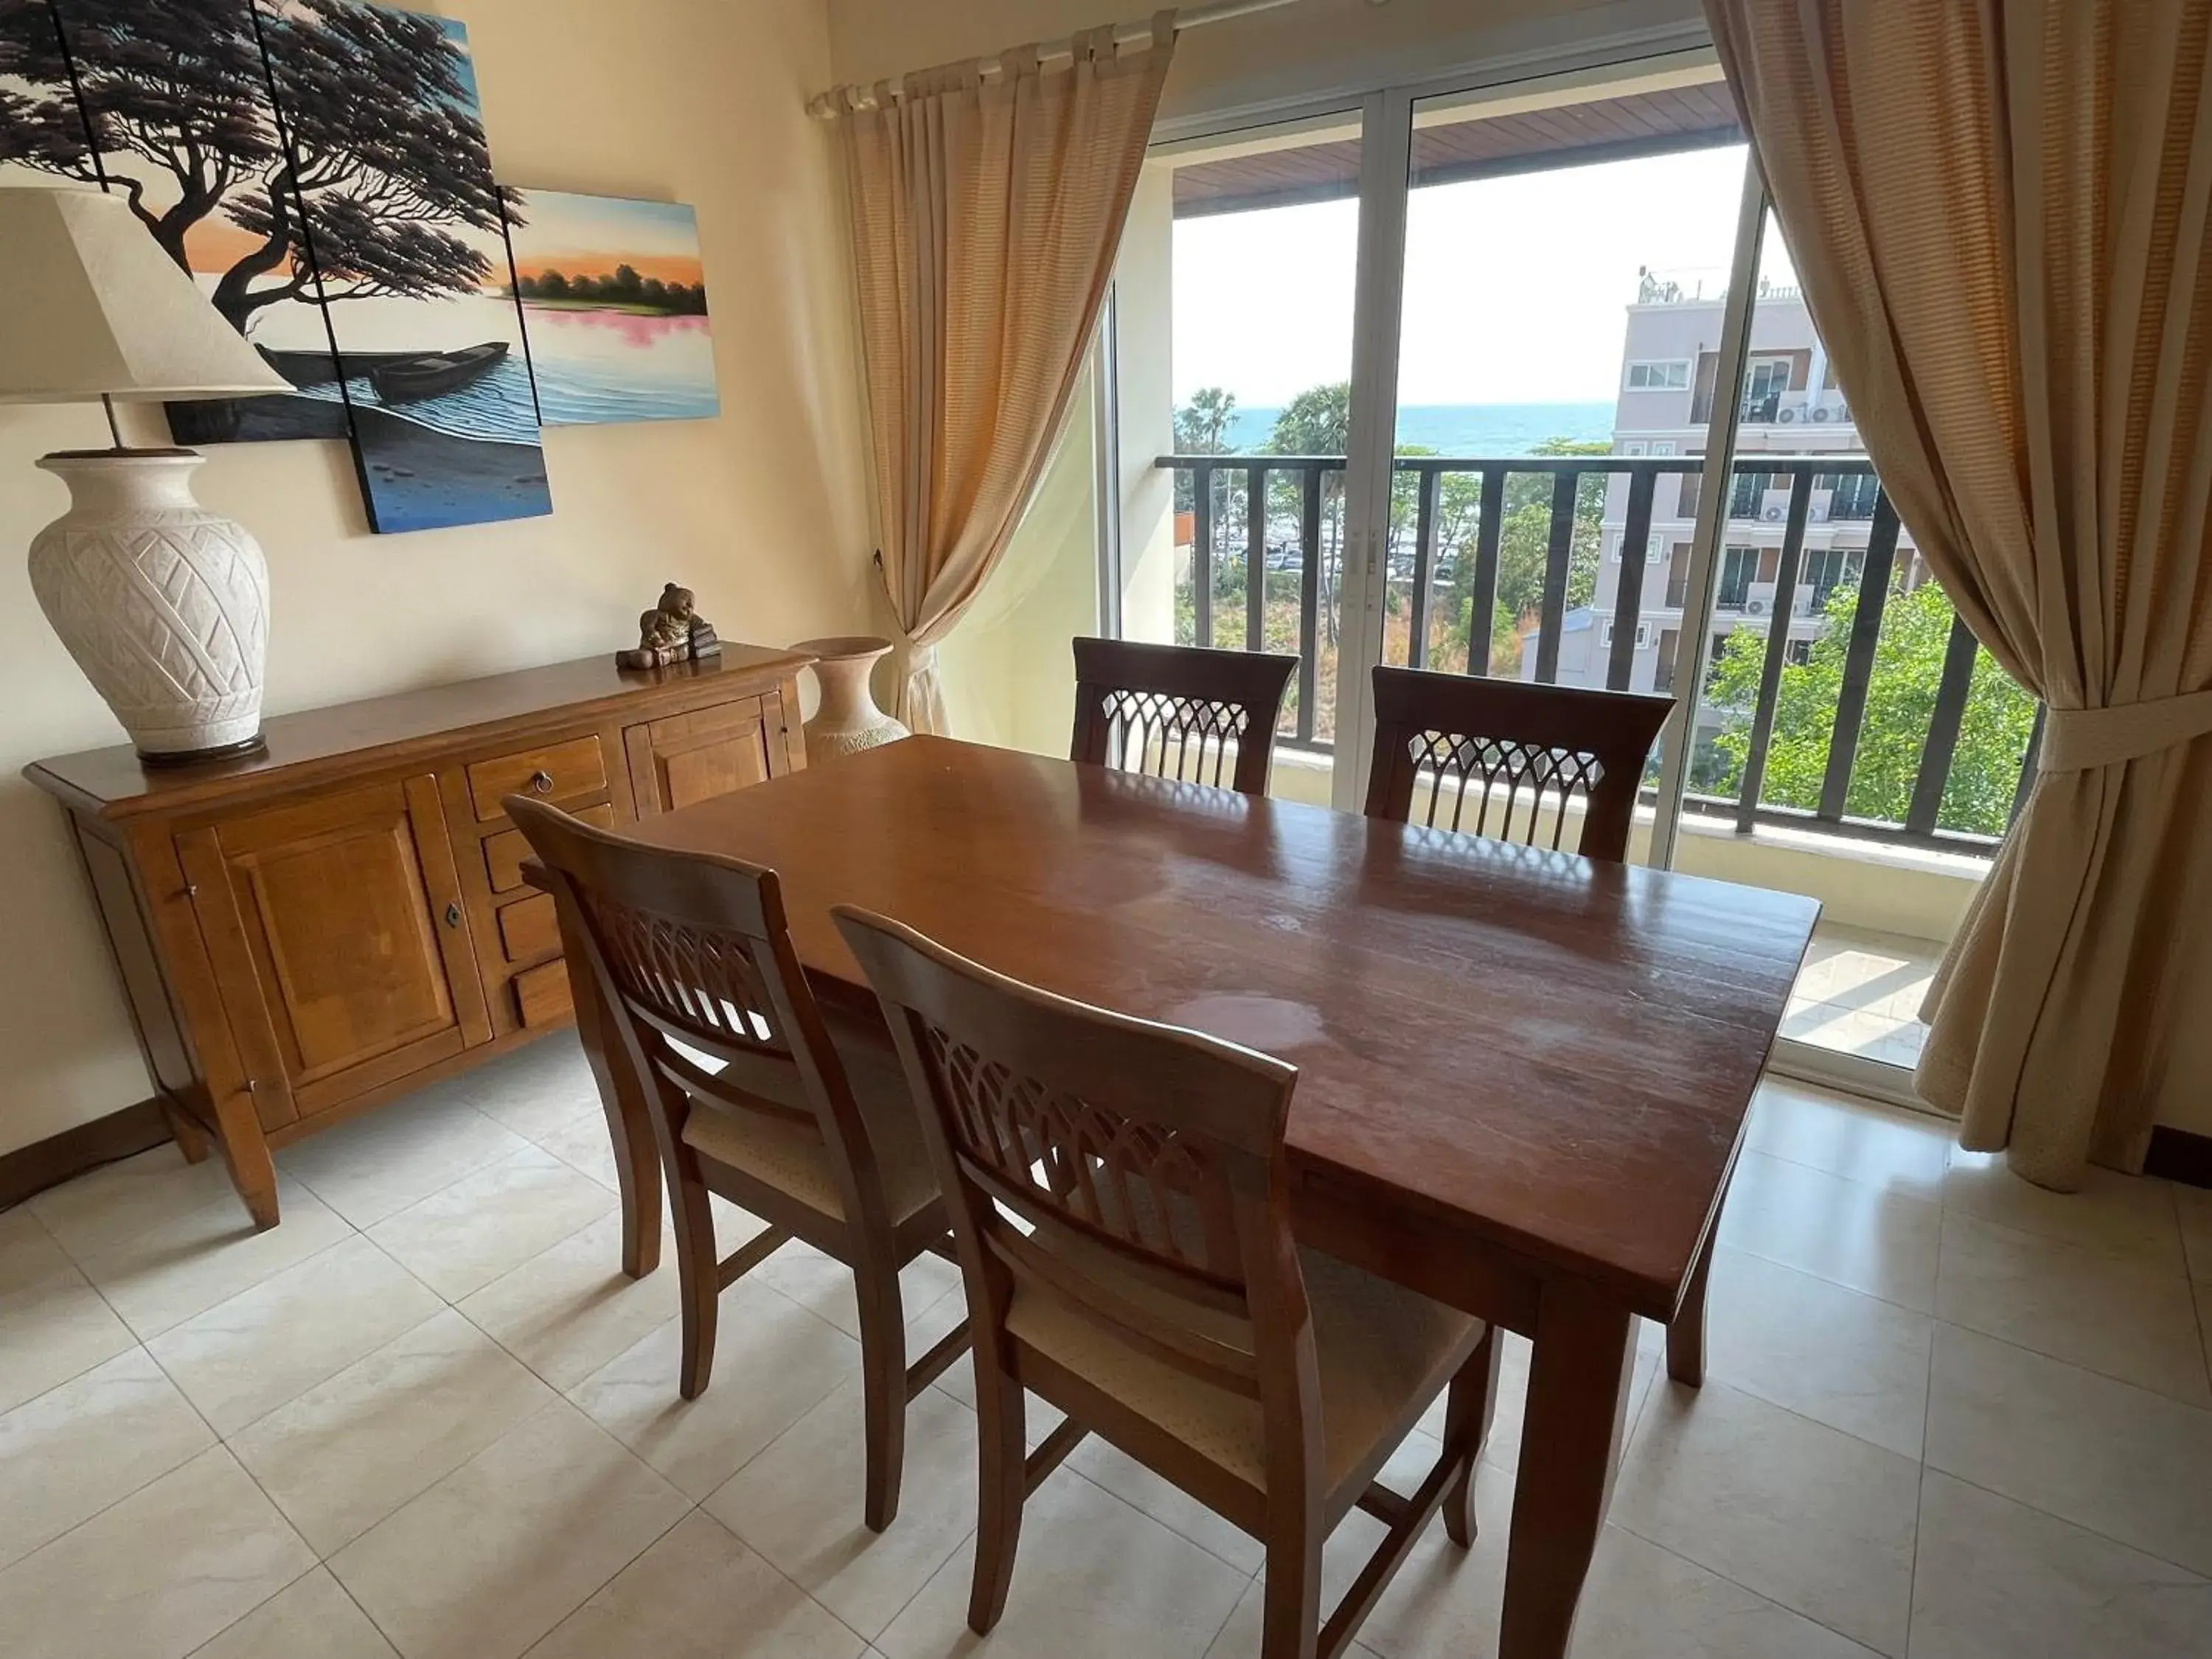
(1178,711)
(1120,1197)
(750,1099)
(1546,746)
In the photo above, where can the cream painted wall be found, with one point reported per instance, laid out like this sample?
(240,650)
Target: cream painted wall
(762,510)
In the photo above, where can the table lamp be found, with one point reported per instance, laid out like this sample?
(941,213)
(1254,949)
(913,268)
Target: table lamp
(164,605)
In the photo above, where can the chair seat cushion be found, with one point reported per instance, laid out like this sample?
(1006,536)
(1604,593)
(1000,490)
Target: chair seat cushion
(792,1157)
(1380,1350)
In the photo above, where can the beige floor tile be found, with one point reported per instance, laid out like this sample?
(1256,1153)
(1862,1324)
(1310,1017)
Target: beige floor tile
(29,1255)
(156,1575)
(1899,1151)
(53,1329)
(1997,1580)
(2204,1322)
(2098,1312)
(75,1449)
(244,1357)
(537,1090)
(1852,1361)
(2193,1205)
(1093,1579)
(349,1451)
(105,1206)
(2121,1461)
(463,1236)
(1640,1602)
(312,1616)
(567,1311)
(699,1594)
(799,1504)
(375,1166)
(1862,1237)
(1099,1462)
(584,1145)
(1797,1512)
(161,1277)
(823,1285)
(1354,1542)
(773,1362)
(508,1544)
(1643,1602)
(2120,1215)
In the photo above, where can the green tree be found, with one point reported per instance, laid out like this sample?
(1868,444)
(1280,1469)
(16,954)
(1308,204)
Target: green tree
(1201,426)
(1908,666)
(1524,543)
(1318,422)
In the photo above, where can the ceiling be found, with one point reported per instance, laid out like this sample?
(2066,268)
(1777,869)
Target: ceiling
(1523,141)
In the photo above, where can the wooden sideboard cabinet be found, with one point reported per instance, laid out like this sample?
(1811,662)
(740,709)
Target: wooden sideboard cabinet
(307,933)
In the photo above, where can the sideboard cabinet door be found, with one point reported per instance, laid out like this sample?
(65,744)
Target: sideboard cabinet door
(687,758)
(340,943)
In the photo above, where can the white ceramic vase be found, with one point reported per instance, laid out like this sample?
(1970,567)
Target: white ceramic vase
(164,605)
(848,720)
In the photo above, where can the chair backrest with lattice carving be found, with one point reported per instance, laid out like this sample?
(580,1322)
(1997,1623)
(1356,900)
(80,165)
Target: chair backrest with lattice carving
(1131,1172)
(692,958)
(1509,759)
(1176,711)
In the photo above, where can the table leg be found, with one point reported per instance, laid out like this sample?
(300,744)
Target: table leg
(1570,1436)
(629,1125)
(1685,1335)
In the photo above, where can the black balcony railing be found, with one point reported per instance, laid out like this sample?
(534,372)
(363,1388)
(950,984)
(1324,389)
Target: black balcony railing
(1258,520)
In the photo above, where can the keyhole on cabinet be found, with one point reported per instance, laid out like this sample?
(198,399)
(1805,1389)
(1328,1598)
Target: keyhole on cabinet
(452,915)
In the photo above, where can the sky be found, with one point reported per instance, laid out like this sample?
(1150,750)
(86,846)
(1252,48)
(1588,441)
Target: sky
(1516,288)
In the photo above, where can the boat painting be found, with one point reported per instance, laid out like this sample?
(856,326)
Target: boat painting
(414,271)
(614,296)
(192,166)
(319,167)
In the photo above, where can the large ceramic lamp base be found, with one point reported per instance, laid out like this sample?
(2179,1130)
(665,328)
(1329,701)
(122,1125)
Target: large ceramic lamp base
(163,604)
(246,750)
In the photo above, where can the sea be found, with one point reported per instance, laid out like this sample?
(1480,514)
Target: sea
(1460,429)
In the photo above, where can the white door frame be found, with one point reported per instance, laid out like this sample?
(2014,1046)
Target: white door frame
(1378,293)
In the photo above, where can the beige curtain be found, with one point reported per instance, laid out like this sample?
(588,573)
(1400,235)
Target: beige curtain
(985,213)
(1998,212)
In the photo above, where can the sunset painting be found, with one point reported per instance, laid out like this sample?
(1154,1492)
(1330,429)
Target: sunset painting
(614,301)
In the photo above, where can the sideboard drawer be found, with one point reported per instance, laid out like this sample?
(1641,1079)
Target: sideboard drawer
(541,996)
(530,928)
(558,771)
(505,852)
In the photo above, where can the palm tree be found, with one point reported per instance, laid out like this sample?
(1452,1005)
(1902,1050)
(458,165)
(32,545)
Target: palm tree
(1201,426)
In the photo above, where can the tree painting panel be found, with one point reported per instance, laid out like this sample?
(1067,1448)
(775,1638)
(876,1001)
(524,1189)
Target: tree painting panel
(182,124)
(406,238)
(615,298)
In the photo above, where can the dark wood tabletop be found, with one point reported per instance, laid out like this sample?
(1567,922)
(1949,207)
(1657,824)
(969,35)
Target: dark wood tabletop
(1552,1053)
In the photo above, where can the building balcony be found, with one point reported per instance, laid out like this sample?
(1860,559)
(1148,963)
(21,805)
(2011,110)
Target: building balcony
(1512,539)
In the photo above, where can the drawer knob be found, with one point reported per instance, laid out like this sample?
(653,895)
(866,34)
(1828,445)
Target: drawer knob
(542,782)
(452,915)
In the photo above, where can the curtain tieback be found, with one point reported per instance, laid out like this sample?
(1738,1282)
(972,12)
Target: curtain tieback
(2079,740)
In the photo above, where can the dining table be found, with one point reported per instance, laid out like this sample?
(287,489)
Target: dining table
(1523,1076)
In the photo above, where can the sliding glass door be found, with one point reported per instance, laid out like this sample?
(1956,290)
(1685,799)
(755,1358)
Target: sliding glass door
(1513,377)
(1236,338)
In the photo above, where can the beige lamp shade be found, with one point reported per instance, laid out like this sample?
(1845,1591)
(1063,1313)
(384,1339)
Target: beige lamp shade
(91,307)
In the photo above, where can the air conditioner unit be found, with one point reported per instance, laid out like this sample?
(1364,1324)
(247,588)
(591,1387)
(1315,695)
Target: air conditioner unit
(1788,414)
(1756,607)
(1773,515)
(1822,414)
